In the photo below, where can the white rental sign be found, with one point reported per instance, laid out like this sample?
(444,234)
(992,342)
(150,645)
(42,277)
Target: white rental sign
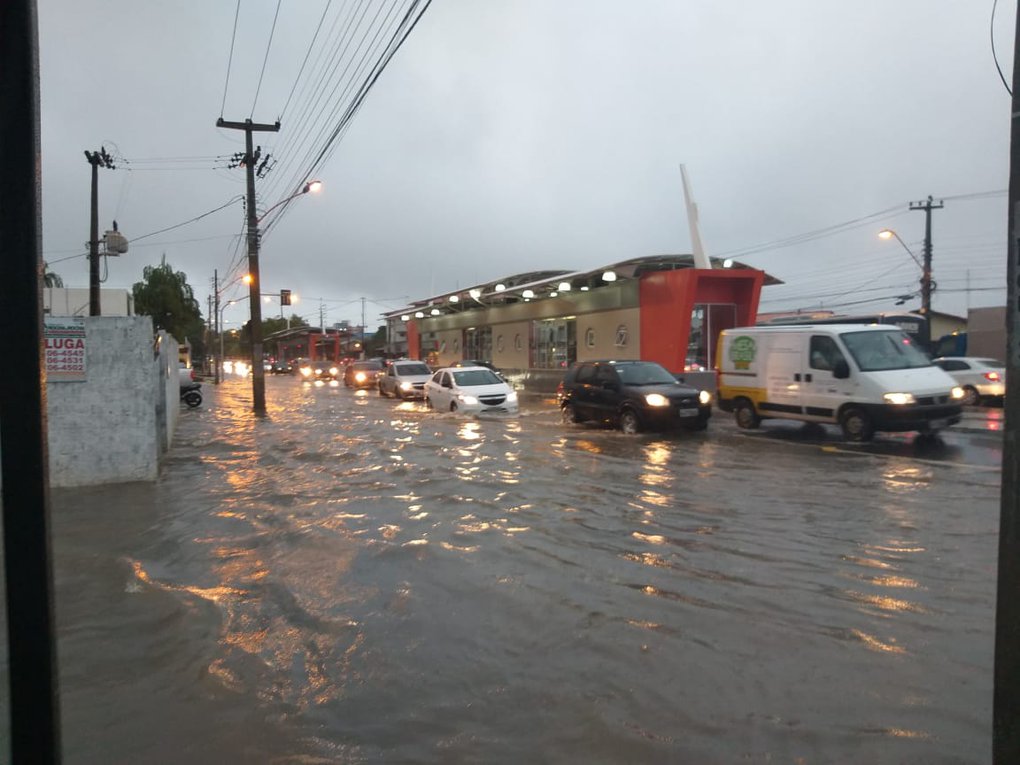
(65,349)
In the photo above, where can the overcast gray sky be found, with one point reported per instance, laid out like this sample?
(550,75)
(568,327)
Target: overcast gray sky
(532,134)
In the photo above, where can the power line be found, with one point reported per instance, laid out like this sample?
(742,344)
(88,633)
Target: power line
(269,47)
(311,45)
(230,59)
(185,223)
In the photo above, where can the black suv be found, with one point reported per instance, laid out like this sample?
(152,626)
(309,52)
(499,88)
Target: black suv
(636,395)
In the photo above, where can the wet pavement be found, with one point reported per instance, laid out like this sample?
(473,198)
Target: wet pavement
(355,579)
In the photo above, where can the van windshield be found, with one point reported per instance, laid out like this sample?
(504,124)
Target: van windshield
(876,351)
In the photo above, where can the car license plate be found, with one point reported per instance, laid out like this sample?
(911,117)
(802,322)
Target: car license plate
(687,411)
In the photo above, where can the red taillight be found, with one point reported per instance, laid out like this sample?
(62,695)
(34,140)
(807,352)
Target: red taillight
(993,376)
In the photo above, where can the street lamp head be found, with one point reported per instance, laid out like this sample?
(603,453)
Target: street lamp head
(312,186)
(886,233)
(247,279)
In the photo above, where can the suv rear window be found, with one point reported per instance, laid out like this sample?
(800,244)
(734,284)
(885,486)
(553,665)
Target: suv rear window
(585,373)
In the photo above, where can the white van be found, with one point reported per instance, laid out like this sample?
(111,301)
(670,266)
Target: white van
(863,377)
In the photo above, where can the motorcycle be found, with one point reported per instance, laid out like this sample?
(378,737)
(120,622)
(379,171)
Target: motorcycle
(190,394)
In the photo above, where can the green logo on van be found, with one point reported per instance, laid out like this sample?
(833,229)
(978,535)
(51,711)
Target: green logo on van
(742,351)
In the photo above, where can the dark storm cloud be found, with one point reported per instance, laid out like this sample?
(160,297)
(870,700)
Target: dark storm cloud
(511,136)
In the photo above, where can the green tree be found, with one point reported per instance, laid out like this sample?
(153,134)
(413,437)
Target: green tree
(166,296)
(51,279)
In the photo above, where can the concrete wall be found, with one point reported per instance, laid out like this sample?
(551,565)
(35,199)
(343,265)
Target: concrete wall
(114,426)
(601,329)
(505,336)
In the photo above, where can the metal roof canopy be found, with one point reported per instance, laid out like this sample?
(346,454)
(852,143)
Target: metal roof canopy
(533,280)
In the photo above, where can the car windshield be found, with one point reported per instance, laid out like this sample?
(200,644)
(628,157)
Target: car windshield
(412,369)
(366,366)
(644,374)
(475,377)
(877,351)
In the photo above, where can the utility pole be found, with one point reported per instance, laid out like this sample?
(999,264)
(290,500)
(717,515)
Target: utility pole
(926,283)
(218,358)
(1006,694)
(97,159)
(258,372)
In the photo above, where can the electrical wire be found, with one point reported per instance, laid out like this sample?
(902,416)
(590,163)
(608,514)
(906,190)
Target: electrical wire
(265,60)
(230,59)
(311,45)
(185,223)
(995,58)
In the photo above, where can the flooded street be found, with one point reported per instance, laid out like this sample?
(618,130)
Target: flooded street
(360,580)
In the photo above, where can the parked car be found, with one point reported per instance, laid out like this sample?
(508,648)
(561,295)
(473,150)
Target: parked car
(362,374)
(320,370)
(405,379)
(470,389)
(634,395)
(979,378)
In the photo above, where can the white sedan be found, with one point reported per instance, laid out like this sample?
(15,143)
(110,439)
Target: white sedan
(470,389)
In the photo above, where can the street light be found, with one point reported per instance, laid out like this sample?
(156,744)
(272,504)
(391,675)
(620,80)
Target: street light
(926,283)
(312,187)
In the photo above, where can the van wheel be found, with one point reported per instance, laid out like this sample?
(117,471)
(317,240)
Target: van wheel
(629,422)
(856,425)
(569,414)
(744,414)
(970,395)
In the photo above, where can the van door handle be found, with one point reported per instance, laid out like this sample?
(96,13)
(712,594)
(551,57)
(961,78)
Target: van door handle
(807,377)
(796,377)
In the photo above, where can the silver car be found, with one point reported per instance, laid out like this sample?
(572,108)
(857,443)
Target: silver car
(404,379)
(979,378)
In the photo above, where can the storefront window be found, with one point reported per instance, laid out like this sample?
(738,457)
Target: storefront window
(707,321)
(555,343)
(478,344)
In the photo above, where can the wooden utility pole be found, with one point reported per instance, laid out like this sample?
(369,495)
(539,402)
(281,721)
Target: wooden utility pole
(1006,703)
(258,372)
(97,159)
(219,330)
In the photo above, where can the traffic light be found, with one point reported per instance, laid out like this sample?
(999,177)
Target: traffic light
(284,297)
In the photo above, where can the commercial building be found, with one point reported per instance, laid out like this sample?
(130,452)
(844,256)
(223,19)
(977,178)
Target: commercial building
(534,325)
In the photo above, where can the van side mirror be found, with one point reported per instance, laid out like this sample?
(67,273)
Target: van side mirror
(842,370)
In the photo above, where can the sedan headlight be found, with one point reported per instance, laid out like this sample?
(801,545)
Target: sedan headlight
(469,400)
(899,398)
(333,370)
(656,399)
(359,376)
(306,371)
(405,386)
(957,392)
(705,397)
(511,396)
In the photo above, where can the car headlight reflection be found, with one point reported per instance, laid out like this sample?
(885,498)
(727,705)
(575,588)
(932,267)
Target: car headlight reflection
(899,398)
(656,399)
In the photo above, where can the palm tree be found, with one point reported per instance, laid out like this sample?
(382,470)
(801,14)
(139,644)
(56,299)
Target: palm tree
(51,279)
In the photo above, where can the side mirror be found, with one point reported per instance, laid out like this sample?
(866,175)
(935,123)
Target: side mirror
(842,370)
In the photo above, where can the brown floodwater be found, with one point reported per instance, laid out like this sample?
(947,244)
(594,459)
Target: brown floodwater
(354,579)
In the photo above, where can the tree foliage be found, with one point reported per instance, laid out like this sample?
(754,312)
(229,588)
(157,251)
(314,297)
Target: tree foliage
(166,296)
(51,279)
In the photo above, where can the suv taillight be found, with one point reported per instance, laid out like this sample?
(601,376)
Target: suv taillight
(993,376)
